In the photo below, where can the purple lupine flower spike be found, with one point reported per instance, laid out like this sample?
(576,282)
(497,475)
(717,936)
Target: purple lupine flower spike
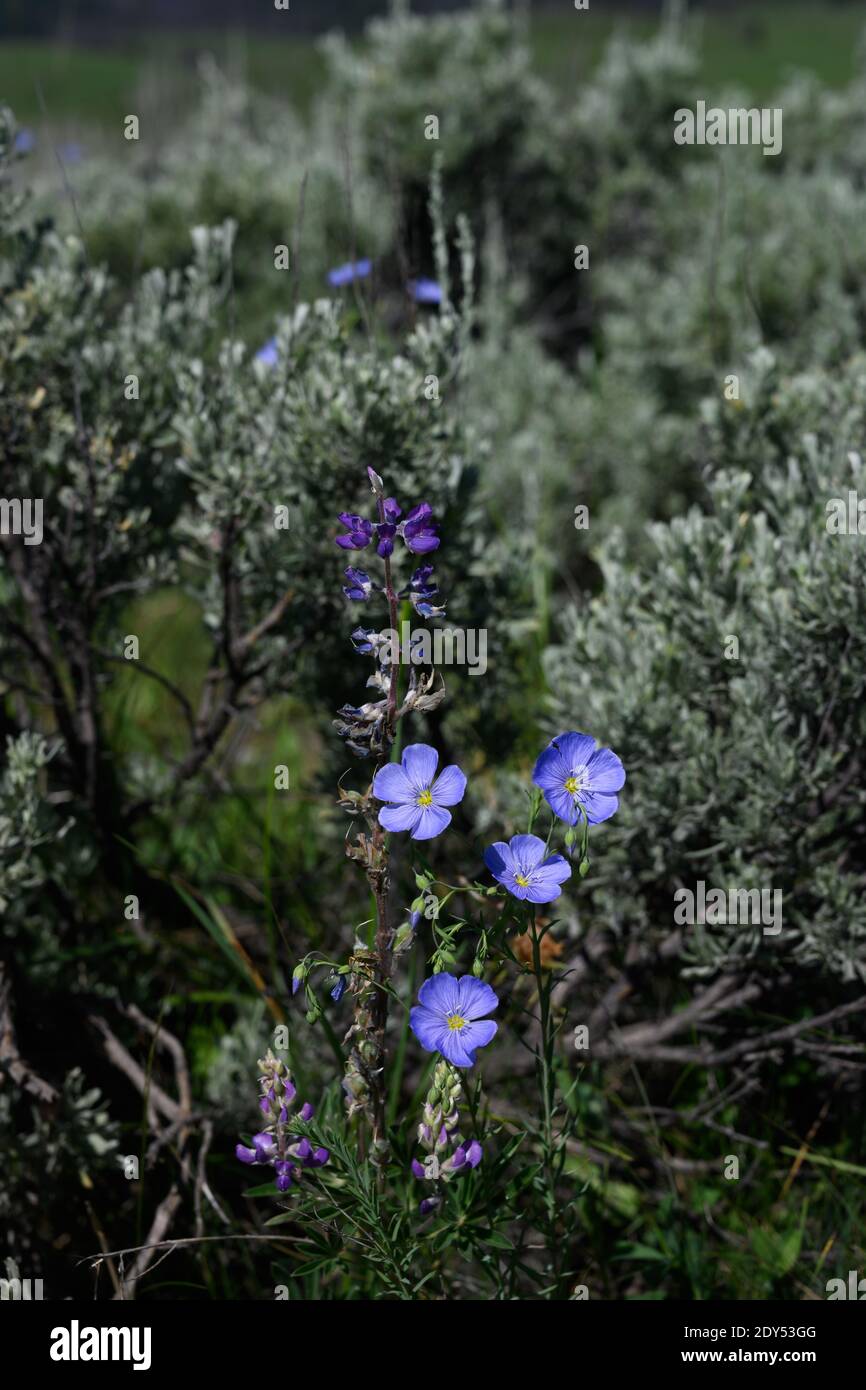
(441,1117)
(286,1153)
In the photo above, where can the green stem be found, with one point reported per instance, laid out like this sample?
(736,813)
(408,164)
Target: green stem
(548,1083)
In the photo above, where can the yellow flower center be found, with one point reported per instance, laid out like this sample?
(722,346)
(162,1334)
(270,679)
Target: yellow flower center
(455,1022)
(573,785)
(425,799)
(524,882)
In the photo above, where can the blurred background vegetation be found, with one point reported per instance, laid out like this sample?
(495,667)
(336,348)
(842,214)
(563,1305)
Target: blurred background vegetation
(150,69)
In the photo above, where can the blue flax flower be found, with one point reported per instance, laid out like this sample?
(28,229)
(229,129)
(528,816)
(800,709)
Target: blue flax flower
(449,1017)
(573,775)
(417,797)
(522,868)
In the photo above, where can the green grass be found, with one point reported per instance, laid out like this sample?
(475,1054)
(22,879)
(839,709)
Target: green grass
(757,46)
(155,76)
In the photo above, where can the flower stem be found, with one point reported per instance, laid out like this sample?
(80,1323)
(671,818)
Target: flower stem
(548,1082)
(380,882)
(392,614)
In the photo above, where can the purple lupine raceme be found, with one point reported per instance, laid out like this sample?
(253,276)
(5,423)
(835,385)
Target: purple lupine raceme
(448,1155)
(275,1146)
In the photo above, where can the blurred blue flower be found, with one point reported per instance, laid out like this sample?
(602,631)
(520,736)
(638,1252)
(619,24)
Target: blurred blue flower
(361,639)
(268,355)
(25,141)
(425,291)
(359,532)
(352,270)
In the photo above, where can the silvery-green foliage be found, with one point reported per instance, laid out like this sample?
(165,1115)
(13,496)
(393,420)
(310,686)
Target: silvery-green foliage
(742,772)
(637,88)
(469,68)
(227,1066)
(25,827)
(40,1149)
